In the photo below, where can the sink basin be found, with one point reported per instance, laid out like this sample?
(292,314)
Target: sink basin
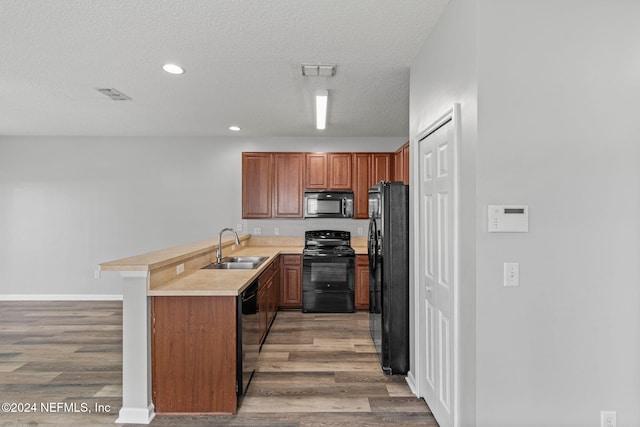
(231,266)
(237,263)
(255,259)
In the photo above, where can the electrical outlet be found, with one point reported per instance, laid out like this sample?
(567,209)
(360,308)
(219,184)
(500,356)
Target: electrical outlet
(180,268)
(360,231)
(276,231)
(607,418)
(511,274)
(238,227)
(257,230)
(96,274)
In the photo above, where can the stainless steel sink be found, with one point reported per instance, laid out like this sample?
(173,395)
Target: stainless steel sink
(231,266)
(237,263)
(255,259)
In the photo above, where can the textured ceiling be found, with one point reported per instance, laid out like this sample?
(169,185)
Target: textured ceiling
(241,57)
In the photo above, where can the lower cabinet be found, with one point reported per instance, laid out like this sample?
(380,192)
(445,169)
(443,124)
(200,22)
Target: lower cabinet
(193,353)
(291,281)
(362,282)
(268,292)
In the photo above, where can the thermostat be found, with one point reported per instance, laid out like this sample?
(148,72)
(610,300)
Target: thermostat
(508,219)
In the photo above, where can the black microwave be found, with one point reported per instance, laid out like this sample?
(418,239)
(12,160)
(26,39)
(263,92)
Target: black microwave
(328,204)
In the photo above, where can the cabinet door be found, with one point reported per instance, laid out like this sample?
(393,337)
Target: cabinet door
(398,162)
(362,164)
(291,281)
(340,171)
(188,329)
(405,163)
(362,282)
(316,171)
(257,171)
(381,168)
(263,307)
(274,293)
(287,188)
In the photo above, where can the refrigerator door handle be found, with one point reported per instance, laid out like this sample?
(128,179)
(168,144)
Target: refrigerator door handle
(372,244)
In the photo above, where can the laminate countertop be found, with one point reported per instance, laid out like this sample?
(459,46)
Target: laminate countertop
(163,278)
(204,282)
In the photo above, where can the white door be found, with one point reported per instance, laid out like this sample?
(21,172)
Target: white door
(436,270)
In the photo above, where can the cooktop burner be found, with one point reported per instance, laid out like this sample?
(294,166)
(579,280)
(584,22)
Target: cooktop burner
(327,243)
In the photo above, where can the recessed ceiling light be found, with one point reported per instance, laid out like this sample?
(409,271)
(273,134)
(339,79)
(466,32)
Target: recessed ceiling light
(173,69)
(234,128)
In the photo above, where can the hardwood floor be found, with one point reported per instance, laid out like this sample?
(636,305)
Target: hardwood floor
(314,370)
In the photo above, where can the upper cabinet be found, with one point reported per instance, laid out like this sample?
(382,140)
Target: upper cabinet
(257,177)
(368,169)
(401,164)
(316,171)
(328,171)
(272,185)
(287,186)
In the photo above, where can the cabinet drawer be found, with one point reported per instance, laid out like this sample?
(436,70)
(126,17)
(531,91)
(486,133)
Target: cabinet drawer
(291,259)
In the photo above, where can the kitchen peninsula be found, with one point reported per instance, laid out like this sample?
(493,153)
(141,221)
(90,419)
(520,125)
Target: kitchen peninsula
(170,303)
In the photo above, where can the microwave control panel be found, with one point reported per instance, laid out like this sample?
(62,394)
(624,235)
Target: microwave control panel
(508,218)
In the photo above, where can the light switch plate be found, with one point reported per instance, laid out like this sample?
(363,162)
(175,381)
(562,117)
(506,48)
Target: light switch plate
(511,274)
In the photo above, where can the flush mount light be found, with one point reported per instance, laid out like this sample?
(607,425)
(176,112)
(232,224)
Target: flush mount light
(234,128)
(322,97)
(173,69)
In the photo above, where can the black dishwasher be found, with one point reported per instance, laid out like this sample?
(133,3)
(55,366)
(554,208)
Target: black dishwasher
(248,336)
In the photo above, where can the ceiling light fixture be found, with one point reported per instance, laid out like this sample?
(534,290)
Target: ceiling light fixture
(234,128)
(318,70)
(173,69)
(322,97)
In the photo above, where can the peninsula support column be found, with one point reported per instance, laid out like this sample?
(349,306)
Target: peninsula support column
(137,406)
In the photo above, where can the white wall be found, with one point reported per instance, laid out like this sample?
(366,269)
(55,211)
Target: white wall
(69,203)
(444,73)
(557,128)
(559,84)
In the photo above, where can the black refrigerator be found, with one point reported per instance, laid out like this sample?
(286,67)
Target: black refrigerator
(388,250)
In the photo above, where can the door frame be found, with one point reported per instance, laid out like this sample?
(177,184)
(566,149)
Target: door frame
(417,370)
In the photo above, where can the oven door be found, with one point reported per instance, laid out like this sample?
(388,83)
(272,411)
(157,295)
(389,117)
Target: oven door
(328,284)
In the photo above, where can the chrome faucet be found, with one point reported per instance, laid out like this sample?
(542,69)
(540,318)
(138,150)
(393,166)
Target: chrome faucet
(219,251)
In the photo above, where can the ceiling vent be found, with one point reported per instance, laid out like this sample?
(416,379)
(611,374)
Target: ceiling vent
(114,94)
(318,70)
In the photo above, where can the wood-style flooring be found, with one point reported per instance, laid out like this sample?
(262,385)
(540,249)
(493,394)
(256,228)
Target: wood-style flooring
(314,370)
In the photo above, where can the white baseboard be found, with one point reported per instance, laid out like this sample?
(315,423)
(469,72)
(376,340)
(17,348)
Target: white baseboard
(411,381)
(61,297)
(136,415)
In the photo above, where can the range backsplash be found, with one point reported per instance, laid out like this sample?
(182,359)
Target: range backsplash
(297,227)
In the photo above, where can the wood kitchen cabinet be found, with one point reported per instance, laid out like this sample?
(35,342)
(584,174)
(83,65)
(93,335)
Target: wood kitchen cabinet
(288,188)
(193,353)
(401,164)
(316,177)
(272,185)
(257,183)
(362,282)
(368,169)
(268,294)
(328,171)
(382,168)
(291,281)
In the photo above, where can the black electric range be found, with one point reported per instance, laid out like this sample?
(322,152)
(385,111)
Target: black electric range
(328,272)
